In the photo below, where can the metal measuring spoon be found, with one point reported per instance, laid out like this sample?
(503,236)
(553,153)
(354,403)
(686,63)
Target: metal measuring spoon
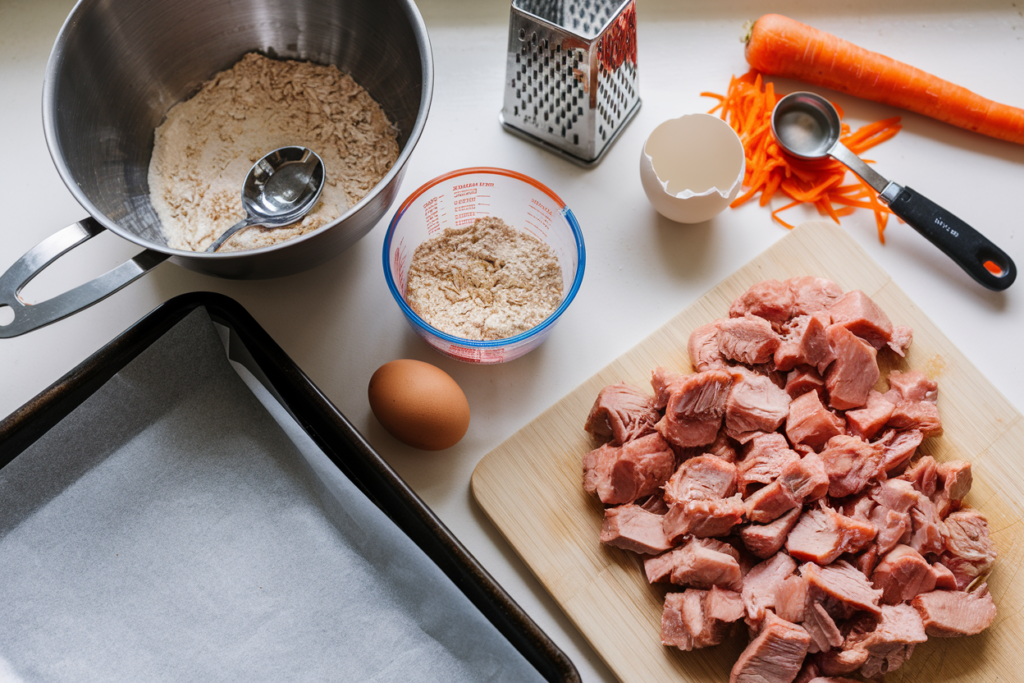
(280,189)
(807,126)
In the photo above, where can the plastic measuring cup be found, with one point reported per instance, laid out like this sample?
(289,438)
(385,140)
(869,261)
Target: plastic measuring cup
(456,200)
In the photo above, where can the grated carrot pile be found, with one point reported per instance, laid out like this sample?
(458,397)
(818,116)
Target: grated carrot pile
(747,107)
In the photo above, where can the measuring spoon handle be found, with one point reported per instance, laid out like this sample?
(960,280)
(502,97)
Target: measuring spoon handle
(972,251)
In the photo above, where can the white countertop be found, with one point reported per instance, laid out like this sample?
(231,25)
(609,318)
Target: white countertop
(339,322)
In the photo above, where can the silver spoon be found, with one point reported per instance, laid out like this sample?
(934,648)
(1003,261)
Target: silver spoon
(807,126)
(280,189)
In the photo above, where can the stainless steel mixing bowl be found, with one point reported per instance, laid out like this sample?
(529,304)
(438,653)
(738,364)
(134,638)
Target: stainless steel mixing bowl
(118,66)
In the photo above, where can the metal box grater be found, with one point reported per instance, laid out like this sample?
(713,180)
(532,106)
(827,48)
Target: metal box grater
(571,83)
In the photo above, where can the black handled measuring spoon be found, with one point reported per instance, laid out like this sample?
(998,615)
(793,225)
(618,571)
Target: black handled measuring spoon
(807,126)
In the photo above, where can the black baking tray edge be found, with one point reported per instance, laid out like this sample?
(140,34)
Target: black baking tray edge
(328,428)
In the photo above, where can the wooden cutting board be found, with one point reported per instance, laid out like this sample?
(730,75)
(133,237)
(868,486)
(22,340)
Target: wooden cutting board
(531,485)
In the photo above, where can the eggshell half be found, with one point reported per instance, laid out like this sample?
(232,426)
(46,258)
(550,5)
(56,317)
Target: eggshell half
(692,167)
(419,404)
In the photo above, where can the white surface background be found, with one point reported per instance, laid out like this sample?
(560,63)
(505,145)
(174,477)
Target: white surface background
(339,322)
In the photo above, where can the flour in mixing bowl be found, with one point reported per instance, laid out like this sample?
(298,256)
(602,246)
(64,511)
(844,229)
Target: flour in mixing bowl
(205,147)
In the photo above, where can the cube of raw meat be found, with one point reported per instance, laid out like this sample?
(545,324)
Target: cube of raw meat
(768,299)
(812,294)
(806,478)
(804,342)
(850,463)
(630,527)
(700,563)
(892,527)
(809,422)
(770,502)
(912,386)
(842,589)
(703,348)
(944,579)
(822,628)
(902,574)
(948,614)
(761,583)
(693,412)
(956,478)
(774,656)
(862,316)
(764,540)
(663,381)
(750,339)
(699,618)
(902,336)
(622,413)
(914,397)
(853,373)
(722,447)
(621,474)
(891,642)
(755,404)
(803,379)
(822,535)
(969,550)
(791,598)
(898,448)
(703,518)
(765,457)
(922,475)
(927,530)
(894,494)
(702,478)
(866,421)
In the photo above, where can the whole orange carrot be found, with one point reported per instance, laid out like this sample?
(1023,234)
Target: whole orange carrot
(781,46)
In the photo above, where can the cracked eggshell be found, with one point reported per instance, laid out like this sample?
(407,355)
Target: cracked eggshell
(692,167)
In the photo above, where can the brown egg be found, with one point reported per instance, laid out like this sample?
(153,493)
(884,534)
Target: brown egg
(419,404)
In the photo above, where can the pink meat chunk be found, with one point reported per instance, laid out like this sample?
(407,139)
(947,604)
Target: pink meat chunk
(892,527)
(902,337)
(822,628)
(895,494)
(956,478)
(948,614)
(702,478)
(654,503)
(693,412)
(699,563)
(898,447)
(862,316)
(750,339)
(914,397)
(902,574)
(891,642)
(760,585)
(663,381)
(703,348)
(913,386)
(703,518)
(803,379)
(812,294)
(791,599)
(765,458)
(774,656)
(866,560)
(822,535)
(969,550)
(630,527)
(944,579)
(836,662)
(698,618)
(842,589)
(722,447)
(806,479)
(755,404)
(850,463)
(768,299)
(621,474)
(867,421)
(809,422)
(764,540)
(804,342)
(622,413)
(768,503)
(927,530)
(922,475)
(851,377)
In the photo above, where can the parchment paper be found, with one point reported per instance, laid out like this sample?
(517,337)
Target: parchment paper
(175,528)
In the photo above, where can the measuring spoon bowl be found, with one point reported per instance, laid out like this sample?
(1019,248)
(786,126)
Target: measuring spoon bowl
(279,189)
(807,126)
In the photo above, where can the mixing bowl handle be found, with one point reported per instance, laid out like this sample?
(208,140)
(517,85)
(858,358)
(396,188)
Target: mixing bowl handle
(28,317)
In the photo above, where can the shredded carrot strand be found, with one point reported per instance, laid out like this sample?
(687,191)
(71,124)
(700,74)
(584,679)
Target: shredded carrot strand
(747,106)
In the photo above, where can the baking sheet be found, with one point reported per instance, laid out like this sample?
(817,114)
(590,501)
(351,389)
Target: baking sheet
(173,527)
